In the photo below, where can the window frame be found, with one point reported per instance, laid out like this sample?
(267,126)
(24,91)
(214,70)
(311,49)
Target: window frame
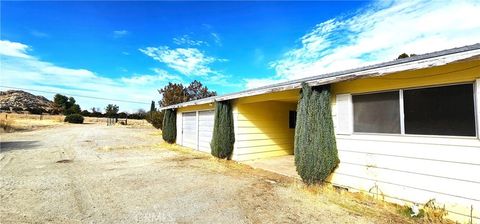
(375,92)
(402,112)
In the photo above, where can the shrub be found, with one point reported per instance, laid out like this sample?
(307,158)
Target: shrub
(316,153)
(156,119)
(223,136)
(36,110)
(169,131)
(74,118)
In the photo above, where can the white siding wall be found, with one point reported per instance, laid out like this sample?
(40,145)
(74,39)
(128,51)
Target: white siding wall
(412,168)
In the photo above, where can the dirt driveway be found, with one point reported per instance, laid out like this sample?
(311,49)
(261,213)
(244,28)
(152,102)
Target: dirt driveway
(92,173)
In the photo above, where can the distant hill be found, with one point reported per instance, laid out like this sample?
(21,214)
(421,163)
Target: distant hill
(17,100)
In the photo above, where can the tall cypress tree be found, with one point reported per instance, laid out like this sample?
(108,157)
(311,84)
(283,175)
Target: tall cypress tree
(169,131)
(223,137)
(152,107)
(315,149)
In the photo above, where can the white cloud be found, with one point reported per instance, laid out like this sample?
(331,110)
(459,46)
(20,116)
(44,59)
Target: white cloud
(120,33)
(22,70)
(187,61)
(190,62)
(216,38)
(214,35)
(160,76)
(380,33)
(188,41)
(13,49)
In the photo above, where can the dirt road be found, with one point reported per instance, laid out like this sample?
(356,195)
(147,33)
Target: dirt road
(92,173)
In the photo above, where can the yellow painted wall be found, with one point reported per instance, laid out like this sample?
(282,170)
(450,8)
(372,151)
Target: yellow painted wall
(262,129)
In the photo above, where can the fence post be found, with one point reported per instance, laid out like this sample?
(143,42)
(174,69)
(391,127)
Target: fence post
(471,214)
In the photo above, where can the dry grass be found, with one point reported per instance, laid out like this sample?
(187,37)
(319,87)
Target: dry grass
(175,148)
(360,203)
(23,123)
(157,133)
(6,125)
(356,203)
(15,116)
(11,122)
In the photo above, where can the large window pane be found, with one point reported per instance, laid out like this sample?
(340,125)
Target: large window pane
(377,112)
(447,110)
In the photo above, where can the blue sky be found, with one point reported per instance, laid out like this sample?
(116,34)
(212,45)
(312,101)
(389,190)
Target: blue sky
(128,50)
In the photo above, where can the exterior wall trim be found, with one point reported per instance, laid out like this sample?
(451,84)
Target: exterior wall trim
(413,63)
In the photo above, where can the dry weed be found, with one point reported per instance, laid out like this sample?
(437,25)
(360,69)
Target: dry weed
(7,124)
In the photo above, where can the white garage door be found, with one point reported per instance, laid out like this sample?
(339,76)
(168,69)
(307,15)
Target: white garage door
(189,128)
(205,129)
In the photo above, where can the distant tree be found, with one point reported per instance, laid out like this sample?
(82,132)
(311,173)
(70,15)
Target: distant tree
(151,112)
(405,55)
(65,105)
(152,106)
(140,114)
(85,113)
(73,109)
(123,115)
(196,91)
(111,110)
(96,112)
(172,93)
(175,93)
(60,101)
(36,110)
(71,101)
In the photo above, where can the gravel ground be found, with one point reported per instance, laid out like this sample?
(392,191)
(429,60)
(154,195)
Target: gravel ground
(92,173)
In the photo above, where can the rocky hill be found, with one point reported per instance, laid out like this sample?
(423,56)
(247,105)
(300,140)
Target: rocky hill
(17,100)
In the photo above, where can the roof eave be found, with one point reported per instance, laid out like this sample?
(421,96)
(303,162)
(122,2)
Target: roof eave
(414,63)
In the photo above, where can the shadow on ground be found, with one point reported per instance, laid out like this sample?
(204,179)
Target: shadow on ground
(17,145)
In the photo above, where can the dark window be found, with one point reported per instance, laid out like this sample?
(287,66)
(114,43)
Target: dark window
(447,110)
(376,113)
(292,119)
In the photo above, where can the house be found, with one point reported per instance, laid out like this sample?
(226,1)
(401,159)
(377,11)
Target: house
(407,129)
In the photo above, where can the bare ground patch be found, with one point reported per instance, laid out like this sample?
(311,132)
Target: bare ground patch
(121,175)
